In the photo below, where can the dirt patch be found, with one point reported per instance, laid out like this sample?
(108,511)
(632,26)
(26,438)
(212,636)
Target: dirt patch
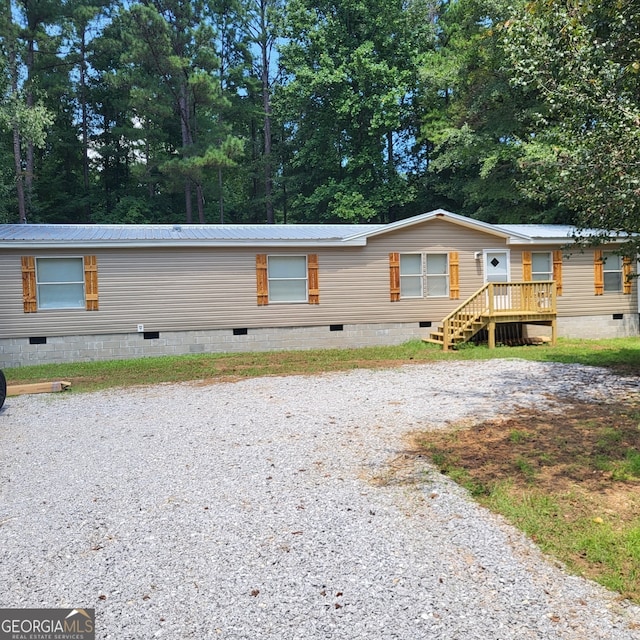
(569,478)
(578,444)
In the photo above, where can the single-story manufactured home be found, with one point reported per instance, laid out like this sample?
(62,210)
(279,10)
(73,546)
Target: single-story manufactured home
(89,292)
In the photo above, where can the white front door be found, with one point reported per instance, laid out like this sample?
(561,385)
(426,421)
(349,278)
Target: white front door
(496,266)
(497,269)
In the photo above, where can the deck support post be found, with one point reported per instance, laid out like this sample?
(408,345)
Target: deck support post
(491,330)
(554,332)
(445,336)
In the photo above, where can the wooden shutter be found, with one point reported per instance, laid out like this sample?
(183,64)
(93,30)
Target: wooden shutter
(626,275)
(91,283)
(394,276)
(262,280)
(527,269)
(312,274)
(29,297)
(598,272)
(557,271)
(454,275)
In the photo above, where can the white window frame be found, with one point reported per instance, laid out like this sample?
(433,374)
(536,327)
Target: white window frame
(419,275)
(548,274)
(39,285)
(271,279)
(445,275)
(606,255)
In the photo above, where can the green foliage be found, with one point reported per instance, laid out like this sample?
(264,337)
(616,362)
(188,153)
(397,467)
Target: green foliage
(581,58)
(32,121)
(349,104)
(475,119)
(341,111)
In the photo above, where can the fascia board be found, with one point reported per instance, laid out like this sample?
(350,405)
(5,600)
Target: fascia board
(136,244)
(564,241)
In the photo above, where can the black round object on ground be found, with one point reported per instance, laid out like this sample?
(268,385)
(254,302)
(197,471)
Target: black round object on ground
(3,388)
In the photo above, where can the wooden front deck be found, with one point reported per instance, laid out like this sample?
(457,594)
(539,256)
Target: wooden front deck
(498,303)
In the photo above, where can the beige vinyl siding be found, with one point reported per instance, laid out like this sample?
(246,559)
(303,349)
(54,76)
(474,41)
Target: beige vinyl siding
(437,236)
(201,289)
(191,289)
(578,287)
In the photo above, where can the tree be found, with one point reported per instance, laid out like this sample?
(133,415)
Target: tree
(81,25)
(351,81)
(261,24)
(170,60)
(20,111)
(475,119)
(583,59)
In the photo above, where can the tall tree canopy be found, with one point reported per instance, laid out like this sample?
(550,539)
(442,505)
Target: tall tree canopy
(266,111)
(583,59)
(349,105)
(474,118)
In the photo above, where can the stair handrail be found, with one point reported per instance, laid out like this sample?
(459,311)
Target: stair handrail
(446,323)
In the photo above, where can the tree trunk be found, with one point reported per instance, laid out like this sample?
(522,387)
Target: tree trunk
(266,103)
(17,156)
(85,125)
(17,150)
(268,180)
(30,154)
(221,197)
(200,202)
(186,143)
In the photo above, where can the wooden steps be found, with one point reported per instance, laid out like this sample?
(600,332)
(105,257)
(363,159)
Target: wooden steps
(493,304)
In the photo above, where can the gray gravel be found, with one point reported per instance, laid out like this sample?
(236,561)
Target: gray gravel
(248,510)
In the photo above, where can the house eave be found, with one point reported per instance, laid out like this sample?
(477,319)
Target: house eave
(173,244)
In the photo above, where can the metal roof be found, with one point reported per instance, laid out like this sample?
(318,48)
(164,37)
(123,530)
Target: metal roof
(260,235)
(192,234)
(542,231)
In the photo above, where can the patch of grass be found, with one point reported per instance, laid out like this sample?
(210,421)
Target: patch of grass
(517,436)
(568,480)
(609,438)
(525,468)
(627,469)
(621,355)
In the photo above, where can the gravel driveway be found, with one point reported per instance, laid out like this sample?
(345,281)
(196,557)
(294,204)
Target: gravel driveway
(247,510)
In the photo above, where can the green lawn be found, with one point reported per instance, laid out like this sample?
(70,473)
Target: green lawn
(621,355)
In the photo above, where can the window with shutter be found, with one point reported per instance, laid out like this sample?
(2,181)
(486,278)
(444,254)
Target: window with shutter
(59,283)
(285,278)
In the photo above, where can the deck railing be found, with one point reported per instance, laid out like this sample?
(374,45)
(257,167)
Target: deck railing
(502,301)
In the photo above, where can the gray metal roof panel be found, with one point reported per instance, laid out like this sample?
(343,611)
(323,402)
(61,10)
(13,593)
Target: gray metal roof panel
(541,231)
(52,233)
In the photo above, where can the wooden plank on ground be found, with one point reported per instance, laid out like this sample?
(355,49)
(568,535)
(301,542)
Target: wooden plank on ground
(38,387)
